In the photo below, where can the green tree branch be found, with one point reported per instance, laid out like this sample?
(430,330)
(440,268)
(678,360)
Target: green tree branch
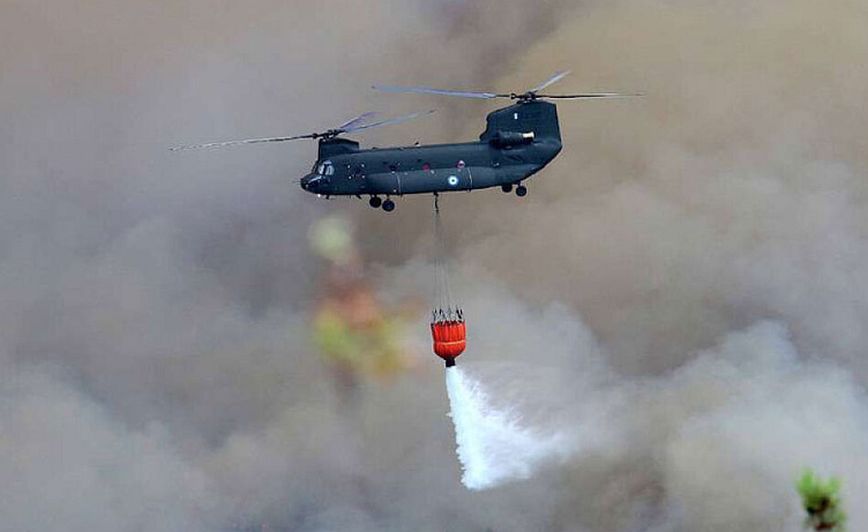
(822,502)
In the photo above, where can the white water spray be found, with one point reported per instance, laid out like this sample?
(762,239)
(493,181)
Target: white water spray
(492,447)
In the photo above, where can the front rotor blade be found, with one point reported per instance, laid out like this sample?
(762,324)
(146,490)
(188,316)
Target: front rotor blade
(244,141)
(356,120)
(588,95)
(390,121)
(440,92)
(554,79)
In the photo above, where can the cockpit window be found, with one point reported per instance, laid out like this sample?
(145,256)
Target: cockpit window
(329,169)
(321,169)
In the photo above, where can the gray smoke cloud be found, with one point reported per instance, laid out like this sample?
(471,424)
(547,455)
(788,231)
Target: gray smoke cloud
(682,288)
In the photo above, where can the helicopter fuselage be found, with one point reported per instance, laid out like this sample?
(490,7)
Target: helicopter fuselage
(519,140)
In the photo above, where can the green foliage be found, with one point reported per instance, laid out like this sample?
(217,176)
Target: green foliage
(822,502)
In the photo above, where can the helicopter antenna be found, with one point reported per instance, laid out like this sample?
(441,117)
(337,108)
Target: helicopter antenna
(529,95)
(357,123)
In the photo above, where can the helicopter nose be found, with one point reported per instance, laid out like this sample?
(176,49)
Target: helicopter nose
(315,183)
(305,182)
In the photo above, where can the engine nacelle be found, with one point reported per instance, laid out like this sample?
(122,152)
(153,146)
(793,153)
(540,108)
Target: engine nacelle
(512,138)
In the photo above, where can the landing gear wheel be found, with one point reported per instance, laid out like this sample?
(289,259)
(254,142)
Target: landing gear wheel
(521,191)
(506,188)
(375,202)
(388,205)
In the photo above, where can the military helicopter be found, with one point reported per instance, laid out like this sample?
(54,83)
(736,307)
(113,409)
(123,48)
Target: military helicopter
(519,140)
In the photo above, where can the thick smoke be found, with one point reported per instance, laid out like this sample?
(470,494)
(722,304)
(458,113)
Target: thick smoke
(732,192)
(682,289)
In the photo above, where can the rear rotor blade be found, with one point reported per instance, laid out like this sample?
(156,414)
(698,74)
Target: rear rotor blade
(440,92)
(244,141)
(552,80)
(390,121)
(356,120)
(588,95)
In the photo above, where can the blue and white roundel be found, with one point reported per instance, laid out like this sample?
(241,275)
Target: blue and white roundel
(453,181)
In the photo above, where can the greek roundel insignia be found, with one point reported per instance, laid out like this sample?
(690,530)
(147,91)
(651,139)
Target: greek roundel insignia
(452,180)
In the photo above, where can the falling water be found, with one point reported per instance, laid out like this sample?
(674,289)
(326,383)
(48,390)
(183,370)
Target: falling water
(492,447)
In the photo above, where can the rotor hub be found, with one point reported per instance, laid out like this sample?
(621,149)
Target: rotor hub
(523,97)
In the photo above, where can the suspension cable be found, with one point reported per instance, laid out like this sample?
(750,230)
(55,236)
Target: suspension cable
(443,292)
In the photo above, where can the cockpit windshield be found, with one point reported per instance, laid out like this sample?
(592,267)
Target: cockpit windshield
(325,168)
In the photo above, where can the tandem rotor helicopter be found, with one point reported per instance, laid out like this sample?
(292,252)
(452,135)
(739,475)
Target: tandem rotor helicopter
(519,140)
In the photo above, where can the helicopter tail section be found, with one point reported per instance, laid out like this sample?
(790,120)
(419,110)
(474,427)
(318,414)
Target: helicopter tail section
(535,117)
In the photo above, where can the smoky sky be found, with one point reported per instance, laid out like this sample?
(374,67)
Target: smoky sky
(683,288)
